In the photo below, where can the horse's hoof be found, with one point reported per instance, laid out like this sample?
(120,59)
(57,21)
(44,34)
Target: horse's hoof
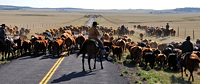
(102,68)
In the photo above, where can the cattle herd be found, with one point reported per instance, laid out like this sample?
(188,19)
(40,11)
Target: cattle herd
(69,38)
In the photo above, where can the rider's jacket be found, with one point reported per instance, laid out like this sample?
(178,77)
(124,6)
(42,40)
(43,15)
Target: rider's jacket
(93,32)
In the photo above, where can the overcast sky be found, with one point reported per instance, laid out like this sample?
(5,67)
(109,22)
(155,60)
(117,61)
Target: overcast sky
(105,4)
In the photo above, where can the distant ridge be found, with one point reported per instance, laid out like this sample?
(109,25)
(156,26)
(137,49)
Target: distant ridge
(9,7)
(177,10)
(187,9)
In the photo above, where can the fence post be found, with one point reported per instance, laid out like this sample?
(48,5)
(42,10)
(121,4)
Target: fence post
(178,31)
(185,32)
(193,34)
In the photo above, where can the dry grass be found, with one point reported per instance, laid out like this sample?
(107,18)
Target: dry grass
(39,21)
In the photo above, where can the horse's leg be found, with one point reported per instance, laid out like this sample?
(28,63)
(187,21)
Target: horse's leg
(2,56)
(101,55)
(185,72)
(95,58)
(182,71)
(191,75)
(83,61)
(89,58)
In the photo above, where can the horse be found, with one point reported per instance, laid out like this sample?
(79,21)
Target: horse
(190,61)
(90,48)
(7,48)
(3,49)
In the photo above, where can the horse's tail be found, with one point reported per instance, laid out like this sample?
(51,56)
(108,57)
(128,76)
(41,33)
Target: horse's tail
(82,48)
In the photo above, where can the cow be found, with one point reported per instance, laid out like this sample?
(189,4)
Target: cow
(136,53)
(141,35)
(153,44)
(117,50)
(58,46)
(161,59)
(150,56)
(17,40)
(27,31)
(161,46)
(40,45)
(26,45)
(70,43)
(80,39)
(106,36)
(121,43)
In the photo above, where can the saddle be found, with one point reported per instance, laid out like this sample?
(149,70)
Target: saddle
(184,54)
(96,42)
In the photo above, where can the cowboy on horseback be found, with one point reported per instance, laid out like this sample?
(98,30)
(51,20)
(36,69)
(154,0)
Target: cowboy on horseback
(123,29)
(3,34)
(167,29)
(93,34)
(186,47)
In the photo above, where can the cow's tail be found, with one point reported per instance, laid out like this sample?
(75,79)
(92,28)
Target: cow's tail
(84,45)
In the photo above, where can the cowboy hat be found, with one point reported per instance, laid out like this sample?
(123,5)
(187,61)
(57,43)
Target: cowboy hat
(188,38)
(95,23)
(3,25)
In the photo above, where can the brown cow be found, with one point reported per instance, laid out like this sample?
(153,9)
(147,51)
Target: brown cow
(70,42)
(153,44)
(141,35)
(27,31)
(80,39)
(121,43)
(161,46)
(57,46)
(106,36)
(136,53)
(131,32)
(40,45)
(160,59)
(117,50)
(26,45)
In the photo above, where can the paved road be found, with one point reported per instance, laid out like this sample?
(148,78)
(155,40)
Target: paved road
(90,21)
(31,70)
(62,70)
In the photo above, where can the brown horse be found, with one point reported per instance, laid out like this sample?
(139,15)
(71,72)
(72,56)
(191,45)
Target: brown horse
(189,62)
(89,47)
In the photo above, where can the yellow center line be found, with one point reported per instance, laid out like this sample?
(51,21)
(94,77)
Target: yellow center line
(53,69)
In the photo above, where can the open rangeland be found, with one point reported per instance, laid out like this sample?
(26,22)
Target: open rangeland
(40,20)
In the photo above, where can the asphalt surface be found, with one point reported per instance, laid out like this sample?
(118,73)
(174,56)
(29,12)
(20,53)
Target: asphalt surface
(32,69)
(90,21)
